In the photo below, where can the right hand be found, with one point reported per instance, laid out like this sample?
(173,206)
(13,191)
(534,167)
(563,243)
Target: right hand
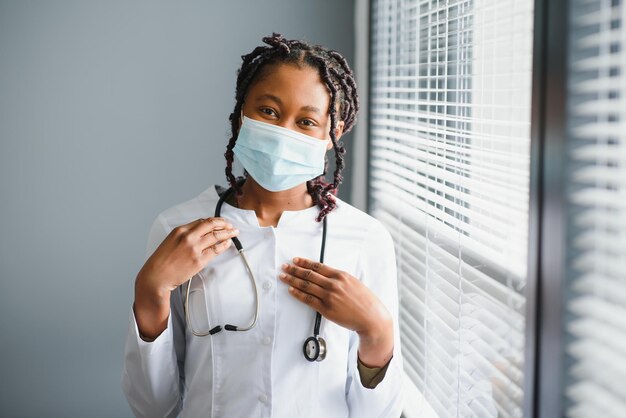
(185,251)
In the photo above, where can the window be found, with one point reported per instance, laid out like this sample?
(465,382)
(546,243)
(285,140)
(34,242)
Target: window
(595,325)
(449,170)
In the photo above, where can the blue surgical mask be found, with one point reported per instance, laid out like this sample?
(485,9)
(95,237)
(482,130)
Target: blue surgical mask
(278,158)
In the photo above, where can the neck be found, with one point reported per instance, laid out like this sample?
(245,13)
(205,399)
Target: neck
(269,206)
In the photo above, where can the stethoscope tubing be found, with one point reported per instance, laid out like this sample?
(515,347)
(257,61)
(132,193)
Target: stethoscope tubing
(240,250)
(315,353)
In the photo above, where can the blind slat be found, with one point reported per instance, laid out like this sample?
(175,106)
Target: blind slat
(596,191)
(449,178)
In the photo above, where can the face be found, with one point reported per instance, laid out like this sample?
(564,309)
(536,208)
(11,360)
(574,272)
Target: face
(293,98)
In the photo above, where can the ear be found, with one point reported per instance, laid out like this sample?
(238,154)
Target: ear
(338,133)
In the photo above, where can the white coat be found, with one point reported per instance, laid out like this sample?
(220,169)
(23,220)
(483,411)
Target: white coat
(262,372)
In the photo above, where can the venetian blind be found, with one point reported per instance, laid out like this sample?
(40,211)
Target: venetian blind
(596,307)
(449,177)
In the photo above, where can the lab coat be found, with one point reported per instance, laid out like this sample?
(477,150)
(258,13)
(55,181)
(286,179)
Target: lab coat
(262,372)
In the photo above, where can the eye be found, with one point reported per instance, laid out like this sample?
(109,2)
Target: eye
(308,122)
(268,111)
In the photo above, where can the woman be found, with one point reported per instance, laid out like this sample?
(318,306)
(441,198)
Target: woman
(306,251)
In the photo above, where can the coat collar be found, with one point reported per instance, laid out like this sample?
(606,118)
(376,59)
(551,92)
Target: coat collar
(300,218)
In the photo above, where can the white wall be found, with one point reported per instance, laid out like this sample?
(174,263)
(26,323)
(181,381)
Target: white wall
(110,112)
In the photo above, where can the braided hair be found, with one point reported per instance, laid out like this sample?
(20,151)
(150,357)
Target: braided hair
(339,80)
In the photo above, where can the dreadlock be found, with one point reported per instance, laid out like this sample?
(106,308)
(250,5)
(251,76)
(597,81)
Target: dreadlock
(339,80)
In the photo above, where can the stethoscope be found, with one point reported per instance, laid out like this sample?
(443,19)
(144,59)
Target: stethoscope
(314,348)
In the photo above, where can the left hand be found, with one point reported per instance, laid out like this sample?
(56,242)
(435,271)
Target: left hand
(343,299)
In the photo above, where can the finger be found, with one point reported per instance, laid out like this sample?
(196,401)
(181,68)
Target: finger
(217,248)
(218,235)
(304,285)
(316,266)
(209,224)
(191,225)
(306,274)
(306,298)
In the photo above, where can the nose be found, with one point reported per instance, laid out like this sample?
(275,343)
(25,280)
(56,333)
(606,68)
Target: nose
(288,122)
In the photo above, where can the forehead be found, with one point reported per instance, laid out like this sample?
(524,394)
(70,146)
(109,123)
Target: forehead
(295,85)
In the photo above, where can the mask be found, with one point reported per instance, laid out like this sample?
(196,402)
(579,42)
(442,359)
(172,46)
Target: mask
(278,158)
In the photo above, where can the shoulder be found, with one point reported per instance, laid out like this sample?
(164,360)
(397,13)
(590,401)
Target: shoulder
(200,206)
(368,228)
(371,242)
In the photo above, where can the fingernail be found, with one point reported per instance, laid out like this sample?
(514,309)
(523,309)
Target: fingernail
(282,275)
(296,260)
(284,266)
(291,289)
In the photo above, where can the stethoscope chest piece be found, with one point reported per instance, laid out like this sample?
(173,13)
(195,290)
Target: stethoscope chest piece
(314,349)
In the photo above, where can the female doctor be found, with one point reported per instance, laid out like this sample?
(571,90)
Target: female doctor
(273,298)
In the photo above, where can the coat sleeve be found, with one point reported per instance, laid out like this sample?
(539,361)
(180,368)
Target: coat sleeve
(377,270)
(151,379)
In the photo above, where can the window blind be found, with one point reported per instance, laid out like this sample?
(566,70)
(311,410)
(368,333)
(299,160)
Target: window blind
(596,177)
(449,177)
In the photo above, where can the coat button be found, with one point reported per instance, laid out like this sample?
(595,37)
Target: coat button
(267,341)
(263,398)
(267,285)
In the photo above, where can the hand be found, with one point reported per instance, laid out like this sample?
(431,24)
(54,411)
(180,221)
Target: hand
(343,299)
(183,253)
(187,250)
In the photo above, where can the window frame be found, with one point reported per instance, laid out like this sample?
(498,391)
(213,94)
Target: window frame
(547,224)
(544,340)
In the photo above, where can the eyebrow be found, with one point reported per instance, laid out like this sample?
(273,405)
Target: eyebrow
(280,103)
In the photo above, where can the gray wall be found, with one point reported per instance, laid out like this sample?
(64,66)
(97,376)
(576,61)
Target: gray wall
(109,113)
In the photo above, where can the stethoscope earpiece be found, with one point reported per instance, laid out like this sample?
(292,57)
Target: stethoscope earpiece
(314,349)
